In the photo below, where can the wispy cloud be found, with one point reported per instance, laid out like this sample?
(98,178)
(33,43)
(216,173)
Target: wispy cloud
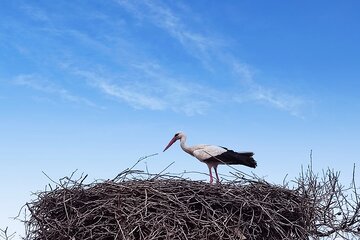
(156,90)
(256,92)
(41,84)
(184,95)
(132,96)
(289,103)
(126,93)
(197,44)
(205,48)
(130,74)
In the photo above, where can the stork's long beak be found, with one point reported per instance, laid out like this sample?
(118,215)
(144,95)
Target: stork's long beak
(170,143)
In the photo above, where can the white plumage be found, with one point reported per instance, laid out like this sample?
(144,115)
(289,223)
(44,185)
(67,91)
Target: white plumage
(214,155)
(204,152)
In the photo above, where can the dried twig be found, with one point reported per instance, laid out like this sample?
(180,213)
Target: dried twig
(139,205)
(5,235)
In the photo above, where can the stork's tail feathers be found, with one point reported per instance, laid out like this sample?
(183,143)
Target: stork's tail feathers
(241,158)
(246,159)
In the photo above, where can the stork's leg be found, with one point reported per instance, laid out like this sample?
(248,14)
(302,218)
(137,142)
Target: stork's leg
(211,177)
(217,176)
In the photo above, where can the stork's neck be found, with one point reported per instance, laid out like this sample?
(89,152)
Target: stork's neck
(184,147)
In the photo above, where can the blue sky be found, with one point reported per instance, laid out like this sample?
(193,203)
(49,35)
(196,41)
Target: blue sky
(94,85)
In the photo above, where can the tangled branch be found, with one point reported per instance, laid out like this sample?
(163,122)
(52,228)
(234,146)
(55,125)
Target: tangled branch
(5,235)
(336,207)
(138,205)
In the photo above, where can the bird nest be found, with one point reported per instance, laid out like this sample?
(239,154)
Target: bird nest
(167,207)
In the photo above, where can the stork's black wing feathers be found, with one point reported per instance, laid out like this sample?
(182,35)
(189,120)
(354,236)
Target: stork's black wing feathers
(224,147)
(231,157)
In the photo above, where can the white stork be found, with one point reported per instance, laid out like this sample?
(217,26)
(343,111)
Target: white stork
(214,155)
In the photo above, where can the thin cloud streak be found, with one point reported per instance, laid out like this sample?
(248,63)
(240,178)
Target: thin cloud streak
(202,47)
(39,83)
(158,92)
(183,95)
(144,83)
(123,92)
(132,97)
(257,92)
(195,43)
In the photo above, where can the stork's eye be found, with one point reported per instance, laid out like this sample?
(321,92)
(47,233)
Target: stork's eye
(177,134)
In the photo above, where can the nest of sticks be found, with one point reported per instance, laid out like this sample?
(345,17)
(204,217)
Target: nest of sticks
(168,207)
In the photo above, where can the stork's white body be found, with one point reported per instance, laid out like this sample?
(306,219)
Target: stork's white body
(214,155)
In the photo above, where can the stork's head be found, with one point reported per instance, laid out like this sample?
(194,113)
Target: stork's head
(176,137)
